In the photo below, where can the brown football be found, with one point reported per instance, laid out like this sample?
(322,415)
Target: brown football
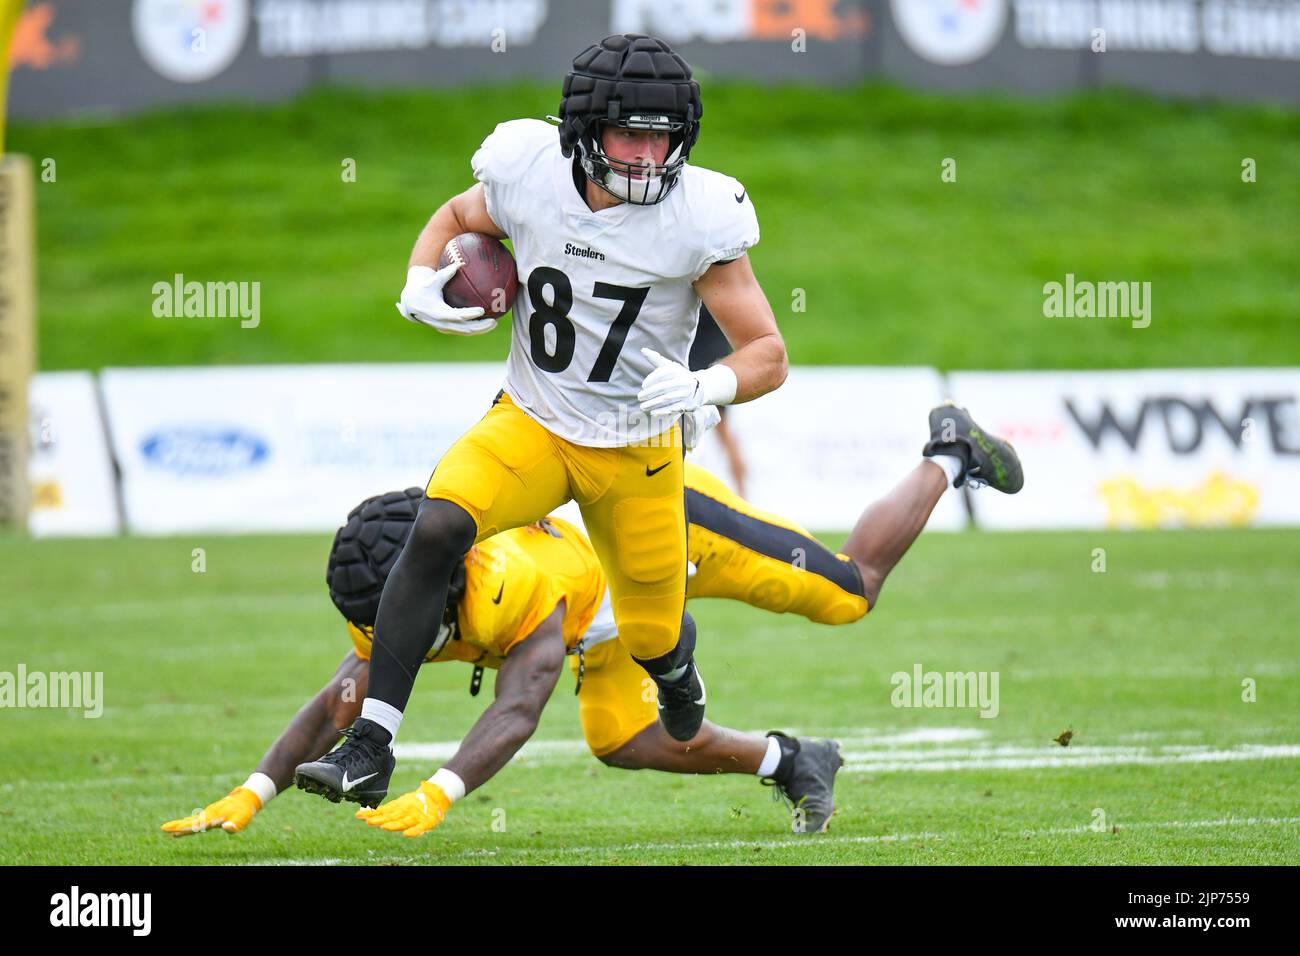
(487,277)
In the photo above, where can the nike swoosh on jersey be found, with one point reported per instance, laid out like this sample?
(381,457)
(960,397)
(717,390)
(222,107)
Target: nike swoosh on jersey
(741,197)
(497,599)
(349,784)
(650,473)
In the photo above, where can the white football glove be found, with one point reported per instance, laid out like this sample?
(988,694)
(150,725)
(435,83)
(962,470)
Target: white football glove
(422,302)
(671,388)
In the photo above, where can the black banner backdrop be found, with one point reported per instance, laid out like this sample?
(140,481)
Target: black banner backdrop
(73,57)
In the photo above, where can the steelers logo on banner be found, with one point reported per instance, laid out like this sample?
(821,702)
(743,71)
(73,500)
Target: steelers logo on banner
(190,41)
(950,32)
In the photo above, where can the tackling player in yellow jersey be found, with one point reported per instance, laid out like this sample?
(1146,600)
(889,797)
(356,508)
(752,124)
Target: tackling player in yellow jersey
(523,600)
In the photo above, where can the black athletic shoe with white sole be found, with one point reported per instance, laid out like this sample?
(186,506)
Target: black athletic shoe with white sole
(681,704)
(806,778)
(358,769)
(989,460)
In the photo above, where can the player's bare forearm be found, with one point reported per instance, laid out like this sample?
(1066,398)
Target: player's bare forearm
(466,212)
(714,749)
(495,737)
(760,365)
(523,686)
(732,293)
(316,727)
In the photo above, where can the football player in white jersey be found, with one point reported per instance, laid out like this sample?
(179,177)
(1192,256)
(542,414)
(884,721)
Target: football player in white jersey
(617,241)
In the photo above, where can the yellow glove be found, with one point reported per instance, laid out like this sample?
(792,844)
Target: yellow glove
(232,813)
(414,813)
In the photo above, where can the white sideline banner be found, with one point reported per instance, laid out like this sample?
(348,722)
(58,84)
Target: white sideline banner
(294,448)
(832,440)
(1143,449)
(69,469)
(282,448)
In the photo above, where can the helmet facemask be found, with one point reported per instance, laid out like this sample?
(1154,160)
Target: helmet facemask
(640,184)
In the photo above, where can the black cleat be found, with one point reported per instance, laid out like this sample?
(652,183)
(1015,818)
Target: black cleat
(989,460)
(681,704)
(357,770)
(806,778)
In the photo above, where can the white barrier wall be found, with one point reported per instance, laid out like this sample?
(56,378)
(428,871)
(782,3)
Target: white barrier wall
(71,475)
(293,448)
(1144,449)
(281,448)
(832,440)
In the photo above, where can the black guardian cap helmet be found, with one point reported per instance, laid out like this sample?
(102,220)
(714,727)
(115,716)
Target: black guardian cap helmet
(364,552)
(636,82)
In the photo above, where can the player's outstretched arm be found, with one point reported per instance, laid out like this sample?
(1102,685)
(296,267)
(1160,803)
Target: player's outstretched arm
(732,293)
(311,733)
(523,686)
(318,725)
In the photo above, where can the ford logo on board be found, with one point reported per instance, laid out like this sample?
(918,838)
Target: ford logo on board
(207,451)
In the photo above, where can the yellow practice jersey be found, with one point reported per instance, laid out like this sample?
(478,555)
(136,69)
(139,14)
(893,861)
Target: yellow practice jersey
(513,581)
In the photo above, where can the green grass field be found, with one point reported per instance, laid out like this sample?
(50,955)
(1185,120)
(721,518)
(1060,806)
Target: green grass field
(895,266)
(1144,663)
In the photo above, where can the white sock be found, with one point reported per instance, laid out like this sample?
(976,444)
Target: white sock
(385,715)
(770,759)
(450,782)
(952,466)
(263,786)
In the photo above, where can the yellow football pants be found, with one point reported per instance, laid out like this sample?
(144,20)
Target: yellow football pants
(616,701)
(508,470)
(743,553)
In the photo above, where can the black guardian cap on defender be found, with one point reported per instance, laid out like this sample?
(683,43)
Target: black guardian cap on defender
(365,550)
(636,82)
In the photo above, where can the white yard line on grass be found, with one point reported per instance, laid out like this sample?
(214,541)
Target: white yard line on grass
(865,751)
(923,735)
(535,751)
(547,751)
(930,750)
(1082,757)
(822,840)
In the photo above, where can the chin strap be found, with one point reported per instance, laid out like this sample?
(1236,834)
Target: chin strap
(582,664)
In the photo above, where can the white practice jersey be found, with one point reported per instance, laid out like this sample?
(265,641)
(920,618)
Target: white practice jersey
(597,287)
